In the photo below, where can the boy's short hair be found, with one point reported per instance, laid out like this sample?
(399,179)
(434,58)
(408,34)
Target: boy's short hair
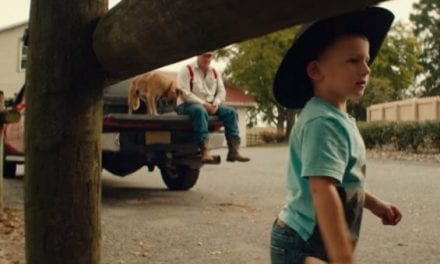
(292,86)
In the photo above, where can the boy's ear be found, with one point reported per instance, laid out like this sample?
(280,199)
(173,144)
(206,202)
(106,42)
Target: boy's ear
(313,71)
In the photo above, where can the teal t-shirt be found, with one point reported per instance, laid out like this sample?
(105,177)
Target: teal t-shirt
(324,142)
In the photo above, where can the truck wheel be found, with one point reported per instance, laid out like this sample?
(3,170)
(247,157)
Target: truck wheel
(9,170)
(180,177)
(119,165)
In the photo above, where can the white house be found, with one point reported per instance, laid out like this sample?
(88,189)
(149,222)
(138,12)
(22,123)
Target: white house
(12,58)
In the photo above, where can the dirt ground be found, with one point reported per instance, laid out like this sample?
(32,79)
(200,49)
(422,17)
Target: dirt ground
(226,217)
(11,236)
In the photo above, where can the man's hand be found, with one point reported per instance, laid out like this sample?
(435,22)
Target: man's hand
(388,213)
(211,108)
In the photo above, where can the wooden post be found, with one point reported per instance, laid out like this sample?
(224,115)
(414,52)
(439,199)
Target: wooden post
(415,109)
(437,108)
(369,114)
(2,107)
(63,124)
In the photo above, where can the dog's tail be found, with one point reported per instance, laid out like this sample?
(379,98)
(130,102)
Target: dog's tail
(133,98)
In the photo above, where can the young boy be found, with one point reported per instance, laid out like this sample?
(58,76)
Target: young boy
(328,64)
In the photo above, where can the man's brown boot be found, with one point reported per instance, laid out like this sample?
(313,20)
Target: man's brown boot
(206,156)
(233,154)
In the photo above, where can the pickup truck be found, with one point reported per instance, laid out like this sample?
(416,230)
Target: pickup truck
(130,142)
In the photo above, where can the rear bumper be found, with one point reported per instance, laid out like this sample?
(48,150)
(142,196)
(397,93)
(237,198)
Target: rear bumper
(19,159)
(114,142)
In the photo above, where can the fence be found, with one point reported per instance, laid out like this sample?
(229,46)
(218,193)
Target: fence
(253,139)
(417,109)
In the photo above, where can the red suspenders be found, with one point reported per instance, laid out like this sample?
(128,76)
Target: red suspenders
(191,75)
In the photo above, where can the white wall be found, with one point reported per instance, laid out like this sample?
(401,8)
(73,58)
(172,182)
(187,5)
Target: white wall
(242,119)
(241,111)
(11,78)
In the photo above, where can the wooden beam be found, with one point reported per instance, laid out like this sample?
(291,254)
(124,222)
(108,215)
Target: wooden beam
(138,35)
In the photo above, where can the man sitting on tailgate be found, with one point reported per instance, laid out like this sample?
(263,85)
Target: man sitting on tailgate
(203,93)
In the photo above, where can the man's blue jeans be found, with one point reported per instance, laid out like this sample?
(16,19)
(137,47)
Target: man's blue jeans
(199,115)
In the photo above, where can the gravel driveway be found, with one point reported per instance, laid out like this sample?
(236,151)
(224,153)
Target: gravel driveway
(227,216)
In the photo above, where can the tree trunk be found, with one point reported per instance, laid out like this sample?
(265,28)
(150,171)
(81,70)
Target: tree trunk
(63,129)
(290,121)
(281,119)
(138,35)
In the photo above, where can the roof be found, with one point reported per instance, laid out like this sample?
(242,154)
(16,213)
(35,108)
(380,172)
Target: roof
(234,96)
(12,26)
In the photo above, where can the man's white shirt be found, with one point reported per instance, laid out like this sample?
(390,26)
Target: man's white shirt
(204,88)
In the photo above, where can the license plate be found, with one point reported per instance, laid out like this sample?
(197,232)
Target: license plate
(157,137)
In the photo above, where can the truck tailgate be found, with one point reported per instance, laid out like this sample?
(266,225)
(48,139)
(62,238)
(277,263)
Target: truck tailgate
(172,122)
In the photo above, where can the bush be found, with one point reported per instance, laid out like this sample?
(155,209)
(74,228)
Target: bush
(377,133)
(413,136)
(272,137)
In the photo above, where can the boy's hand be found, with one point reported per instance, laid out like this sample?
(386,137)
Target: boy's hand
(389,213)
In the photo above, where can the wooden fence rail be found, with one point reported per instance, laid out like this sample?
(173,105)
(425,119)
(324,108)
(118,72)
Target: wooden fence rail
(417,109)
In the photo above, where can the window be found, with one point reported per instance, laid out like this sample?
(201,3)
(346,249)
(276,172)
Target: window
(23,56)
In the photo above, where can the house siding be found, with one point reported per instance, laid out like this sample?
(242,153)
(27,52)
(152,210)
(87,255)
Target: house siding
(11,77)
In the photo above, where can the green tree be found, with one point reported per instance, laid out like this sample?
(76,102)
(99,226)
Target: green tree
(393,71)
(252,65)
(398,60)
(426,19)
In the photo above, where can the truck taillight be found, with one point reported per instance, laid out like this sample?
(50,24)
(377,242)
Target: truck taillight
(217,127)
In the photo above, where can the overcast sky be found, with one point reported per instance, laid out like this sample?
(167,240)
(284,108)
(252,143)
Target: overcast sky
(15,11)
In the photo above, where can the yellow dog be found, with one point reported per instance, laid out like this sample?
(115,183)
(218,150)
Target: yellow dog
(149,87)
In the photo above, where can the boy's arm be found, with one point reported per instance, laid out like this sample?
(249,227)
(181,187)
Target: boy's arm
(388,213)
(331,220)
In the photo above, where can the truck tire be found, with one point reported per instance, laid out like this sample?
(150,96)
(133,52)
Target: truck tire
(9,170)
(180,177)
(119,164)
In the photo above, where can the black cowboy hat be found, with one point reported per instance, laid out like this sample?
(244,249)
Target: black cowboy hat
(292,86)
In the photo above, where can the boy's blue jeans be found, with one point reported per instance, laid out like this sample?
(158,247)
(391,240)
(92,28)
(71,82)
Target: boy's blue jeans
(287,246)
(199,115)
